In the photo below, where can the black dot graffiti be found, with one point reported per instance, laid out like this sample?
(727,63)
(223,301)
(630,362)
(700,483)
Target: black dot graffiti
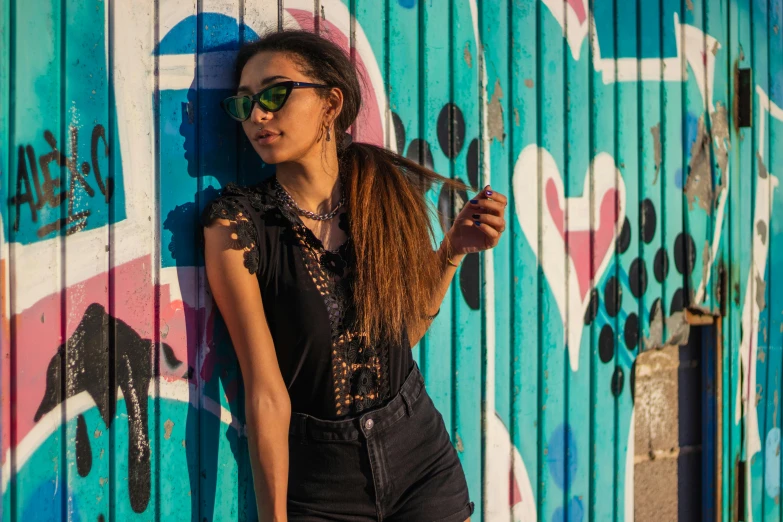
(684,253)
(624,239)
(87,363)
(677,301)
(606,344)
(618,379)
(661,265)
(451,130)
(451,138)
(647,220)
(631,331)
(469,281)
(613,296)
(632,381)
(472,162)
(637,277)
(419,151)
(399,132)
(592,307)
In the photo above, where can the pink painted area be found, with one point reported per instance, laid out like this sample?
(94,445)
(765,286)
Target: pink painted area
(515,495)
(580,241)
(5,365)
(38,333)
(368,127)
(579,10)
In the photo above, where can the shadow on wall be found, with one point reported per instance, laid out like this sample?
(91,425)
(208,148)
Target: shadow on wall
(201,151)
(668,385)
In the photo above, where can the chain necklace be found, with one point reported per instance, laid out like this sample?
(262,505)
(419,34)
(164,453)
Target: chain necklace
(288,200)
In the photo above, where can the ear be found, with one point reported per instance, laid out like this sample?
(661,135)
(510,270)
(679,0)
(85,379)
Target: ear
(333,105)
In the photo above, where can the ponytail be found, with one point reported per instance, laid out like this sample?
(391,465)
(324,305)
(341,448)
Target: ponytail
(397,269)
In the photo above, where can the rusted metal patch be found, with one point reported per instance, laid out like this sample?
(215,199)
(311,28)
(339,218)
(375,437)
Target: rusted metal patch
(655,130)
(699,182)
(495,114)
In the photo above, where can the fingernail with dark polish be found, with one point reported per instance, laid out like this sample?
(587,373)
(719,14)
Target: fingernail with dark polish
(476,216)
(489,193)
(474,201)
(477,223)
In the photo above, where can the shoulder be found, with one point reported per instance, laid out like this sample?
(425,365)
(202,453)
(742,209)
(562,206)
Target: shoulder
(238,203)
(243,207)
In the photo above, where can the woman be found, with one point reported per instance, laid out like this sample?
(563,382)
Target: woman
(326,277)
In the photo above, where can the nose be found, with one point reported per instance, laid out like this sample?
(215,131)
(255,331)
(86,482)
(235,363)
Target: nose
(258,114)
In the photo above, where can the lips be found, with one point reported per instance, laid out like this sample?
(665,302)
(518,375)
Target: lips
(266,136)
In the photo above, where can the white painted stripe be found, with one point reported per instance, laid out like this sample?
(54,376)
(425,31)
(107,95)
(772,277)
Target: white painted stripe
(180,391)
(177,71)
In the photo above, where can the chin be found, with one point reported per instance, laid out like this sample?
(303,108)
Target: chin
(271,157)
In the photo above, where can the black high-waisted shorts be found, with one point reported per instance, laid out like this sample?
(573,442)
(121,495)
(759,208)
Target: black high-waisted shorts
(392,464)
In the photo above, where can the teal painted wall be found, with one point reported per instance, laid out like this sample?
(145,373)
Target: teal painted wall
(611,126)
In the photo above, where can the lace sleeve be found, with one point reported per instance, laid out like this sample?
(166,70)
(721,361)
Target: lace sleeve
(236,209)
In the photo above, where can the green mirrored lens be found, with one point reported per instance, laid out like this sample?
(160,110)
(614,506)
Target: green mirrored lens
(240,107)
(274,97)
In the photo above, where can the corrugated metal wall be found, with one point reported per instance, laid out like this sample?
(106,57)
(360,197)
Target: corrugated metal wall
(634,194)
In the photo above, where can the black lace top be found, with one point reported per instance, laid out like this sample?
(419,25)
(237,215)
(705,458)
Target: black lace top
(330,371)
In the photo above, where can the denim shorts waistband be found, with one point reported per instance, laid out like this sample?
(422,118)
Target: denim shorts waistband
(306,427)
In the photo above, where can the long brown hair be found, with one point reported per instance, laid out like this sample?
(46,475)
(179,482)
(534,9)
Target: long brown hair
(397,269)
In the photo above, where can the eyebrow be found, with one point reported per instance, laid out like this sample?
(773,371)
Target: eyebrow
(245,88)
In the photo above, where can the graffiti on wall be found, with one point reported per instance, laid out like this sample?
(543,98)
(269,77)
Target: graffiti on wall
(171,385)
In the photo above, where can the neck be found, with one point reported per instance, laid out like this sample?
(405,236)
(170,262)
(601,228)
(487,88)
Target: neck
(313,183)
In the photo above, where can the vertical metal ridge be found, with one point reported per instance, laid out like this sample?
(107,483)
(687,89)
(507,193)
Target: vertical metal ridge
(111,291)
(62,250)
(421,87)
(386,80)
(540,287)
(10,266)
(484,152)
(566,176)
(156,257)
(616,269)
(454,295)
(511,222)
(352,46)
(199,273)
(591,329)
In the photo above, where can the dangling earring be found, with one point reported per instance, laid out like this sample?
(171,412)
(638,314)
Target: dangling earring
(328,134)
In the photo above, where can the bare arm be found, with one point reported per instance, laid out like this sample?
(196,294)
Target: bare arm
(267,404)
(447,274)
(477,227)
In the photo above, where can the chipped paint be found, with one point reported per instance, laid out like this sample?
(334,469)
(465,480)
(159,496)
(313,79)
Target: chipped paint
(761,287)
(467,55)
(722,145)
(699,182)
(167,427)
(529,83)
(678,328)
(655,340)
(495,114)
(762,168)
(655,130)
(706,263)
(761,230)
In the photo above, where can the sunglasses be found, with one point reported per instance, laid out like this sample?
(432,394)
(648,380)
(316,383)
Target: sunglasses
(270,99)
